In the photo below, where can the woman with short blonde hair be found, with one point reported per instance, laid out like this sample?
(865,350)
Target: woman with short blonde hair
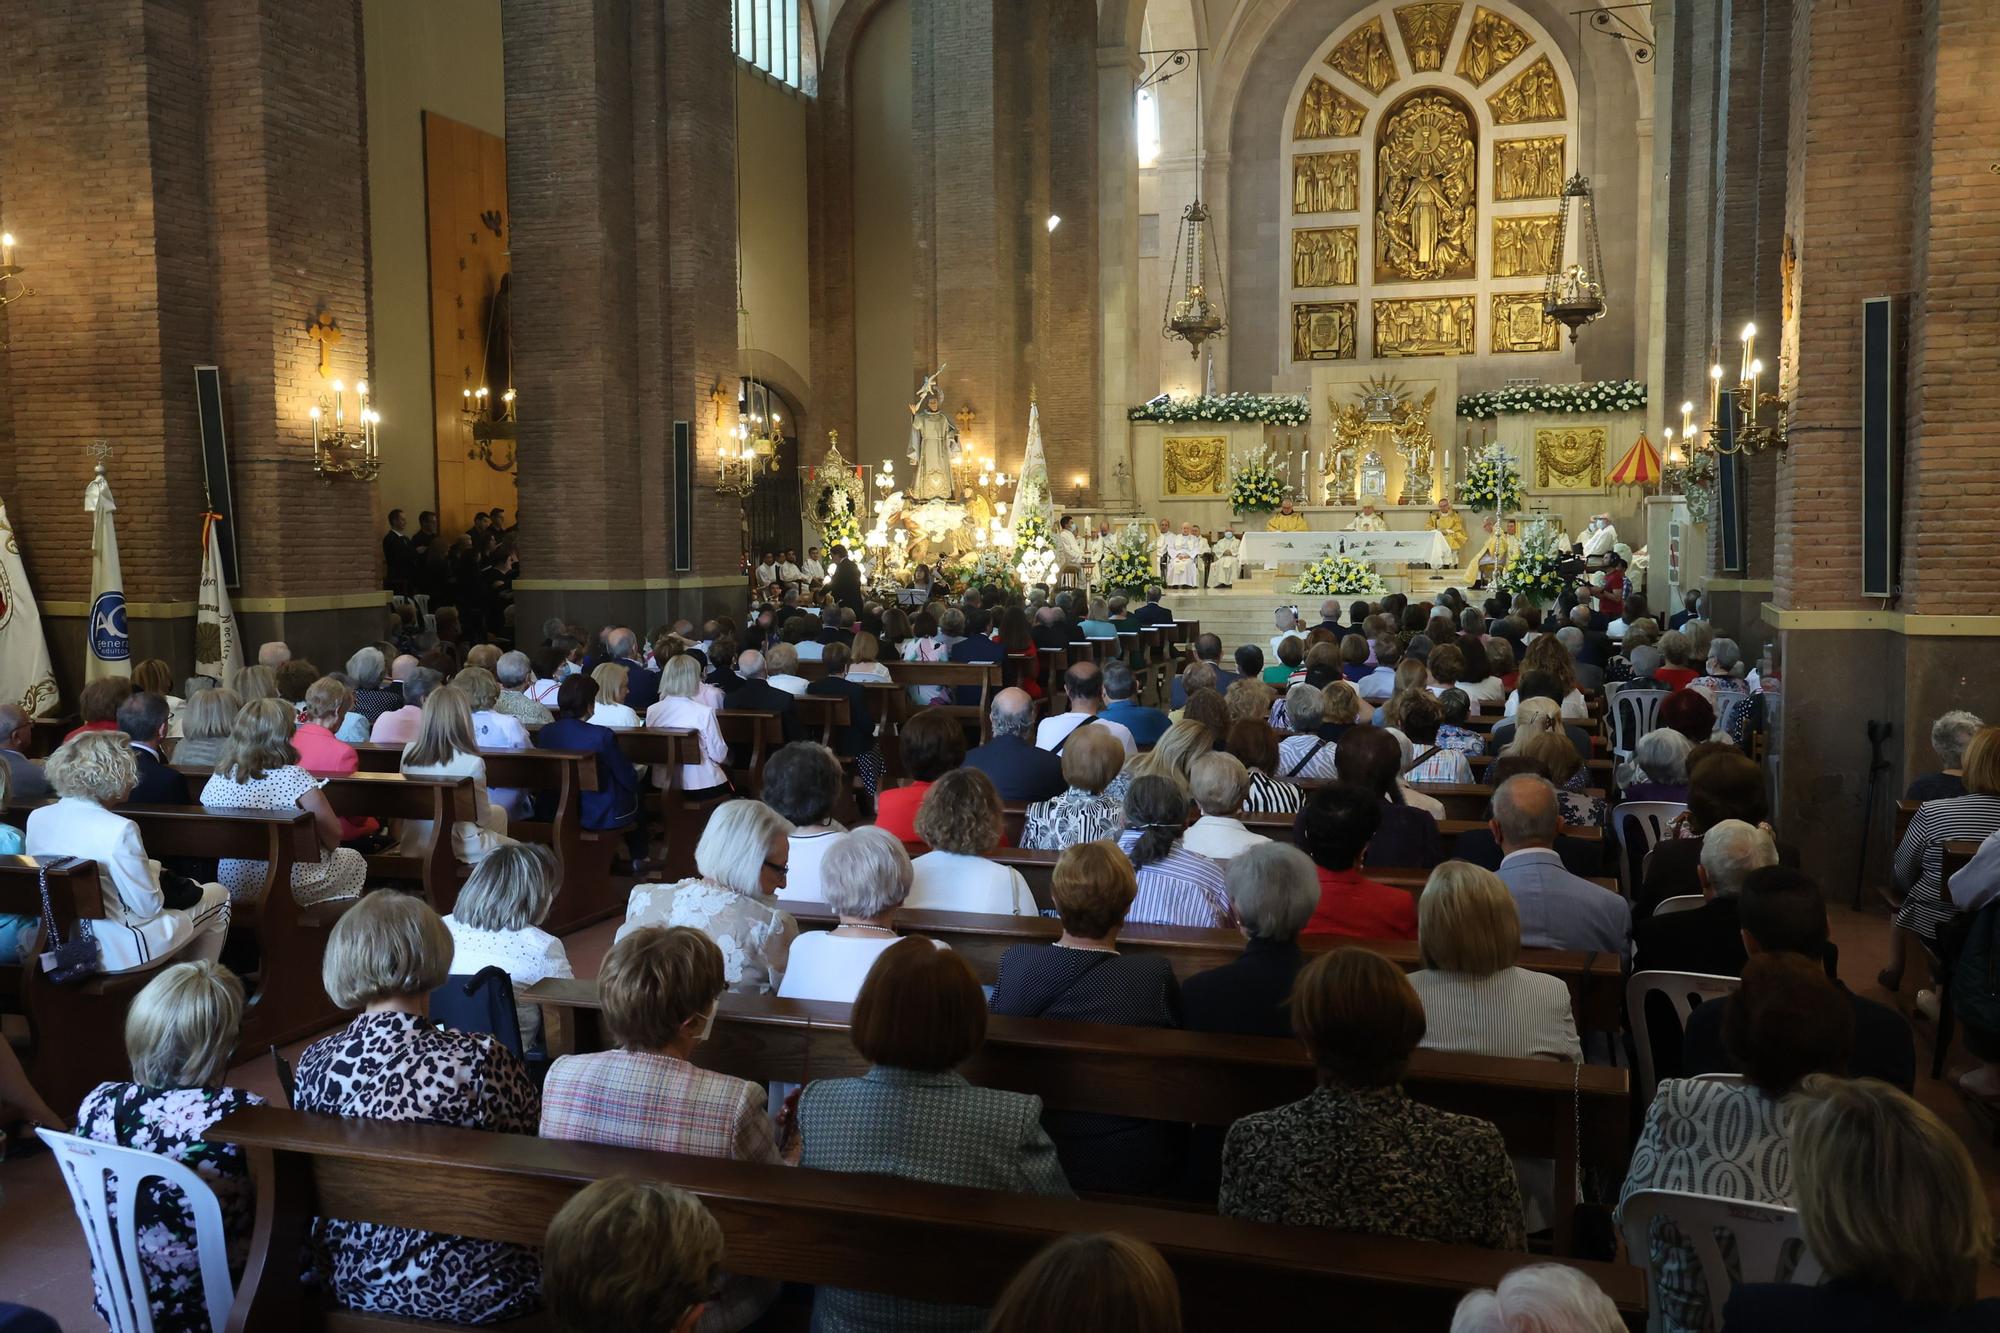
(444,748)
(384,957)
(1893,1209)
(960,819)
(497,923)
(739,862)
(1084,811)
(205,727)
(1173,755)
(1476,1000)
(612,710)
(254,682)
(864,658)
(179,1034)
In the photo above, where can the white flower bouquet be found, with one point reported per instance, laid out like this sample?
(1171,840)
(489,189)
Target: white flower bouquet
(1269,409)
(1339,575)
(1597,396)
(1534,570)
(1130,564)
(1492,483)
(1255,485)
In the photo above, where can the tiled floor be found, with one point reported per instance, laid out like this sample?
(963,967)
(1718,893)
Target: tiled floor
(43,1262)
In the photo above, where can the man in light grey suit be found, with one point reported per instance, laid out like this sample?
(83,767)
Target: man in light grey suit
(24,776)
(1558,909)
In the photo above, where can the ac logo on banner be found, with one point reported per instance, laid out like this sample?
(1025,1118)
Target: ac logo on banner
(109,641)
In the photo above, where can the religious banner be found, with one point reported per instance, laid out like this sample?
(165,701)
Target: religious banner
(1570,458)
(218,643)
(26,678)
(107,644)
(1194,465)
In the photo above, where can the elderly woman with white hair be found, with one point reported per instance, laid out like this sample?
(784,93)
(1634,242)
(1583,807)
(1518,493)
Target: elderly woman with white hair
(1539,1298)
(1275,888)
(516,673)
(865,877)
(740,862)
(1723,675)
(1950,735)
(374,694)
(179,1034)
(1658,770)
(1308,751)
(148,915)
(1219,783)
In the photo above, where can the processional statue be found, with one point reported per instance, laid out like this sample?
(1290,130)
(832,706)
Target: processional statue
(933,444)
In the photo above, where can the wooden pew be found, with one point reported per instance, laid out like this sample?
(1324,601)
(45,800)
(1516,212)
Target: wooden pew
(752,734)
(679,823)
(793,1225)
(983,675)
(1469,800)
(1154,1073)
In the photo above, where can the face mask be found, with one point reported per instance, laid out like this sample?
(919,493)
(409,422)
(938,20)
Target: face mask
(708,1020)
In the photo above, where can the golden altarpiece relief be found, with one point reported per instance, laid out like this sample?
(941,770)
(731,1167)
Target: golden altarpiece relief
(1325,112)
(1325,256)
(1569,458)
(1535,94)
(1324,330)
(1525,247)
(1326,182)
(1491,43)
(1426,190)
(1194,465)
(1528,168)
(1427,30)
(1364,57)
(1520,326)
(1433,326)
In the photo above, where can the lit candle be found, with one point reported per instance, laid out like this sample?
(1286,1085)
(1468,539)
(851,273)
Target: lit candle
(1749,348)
(1715,391)
(315,420)
(7,249)
(1687,420)
(1756,376)
(339,404)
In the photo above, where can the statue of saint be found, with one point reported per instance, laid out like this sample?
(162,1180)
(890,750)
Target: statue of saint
(933,444)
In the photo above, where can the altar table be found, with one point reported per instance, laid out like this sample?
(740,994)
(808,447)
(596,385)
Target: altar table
(1408,547)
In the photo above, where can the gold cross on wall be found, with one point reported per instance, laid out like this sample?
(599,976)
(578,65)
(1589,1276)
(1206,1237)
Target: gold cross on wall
(324,330)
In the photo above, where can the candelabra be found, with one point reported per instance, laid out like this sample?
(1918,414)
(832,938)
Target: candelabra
(493,436)
(1756,420)
(341,449)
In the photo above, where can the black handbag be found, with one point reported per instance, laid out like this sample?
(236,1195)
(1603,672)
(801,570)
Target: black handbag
(178,890)
(66,961)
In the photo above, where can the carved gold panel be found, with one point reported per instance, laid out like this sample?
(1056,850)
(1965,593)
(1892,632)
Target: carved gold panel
(1325,256)
(1432,326)
(1490,43)
(1323,330)
(1426,196)
(1194,465)
(1326,182)
(1569,458)
(1528,168)
(1427,30)
(1520,326)
(1325,112)
(1525,247)
(1363,55)
(1535,94)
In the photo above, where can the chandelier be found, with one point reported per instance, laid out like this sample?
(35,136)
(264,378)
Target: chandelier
(10,272)
(749,449)
(344,441)
(492,430)
(1754,420)
(1193,315)
(1575,293)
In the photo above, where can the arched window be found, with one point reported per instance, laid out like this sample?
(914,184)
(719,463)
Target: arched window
(766,34)
(1149,127)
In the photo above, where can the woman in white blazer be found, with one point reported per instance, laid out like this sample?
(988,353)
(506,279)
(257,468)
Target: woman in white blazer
(92,771)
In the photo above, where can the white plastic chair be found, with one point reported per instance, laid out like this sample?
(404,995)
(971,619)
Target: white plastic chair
(1687,902)
(1633,713)
(112,1230)
(1769,1244)
(1648,822)
(1684,990)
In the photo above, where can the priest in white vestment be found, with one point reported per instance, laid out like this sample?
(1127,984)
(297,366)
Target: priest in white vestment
(1163,545)
(1600,536)
(1184,553)
(1223,568)
(1368,520)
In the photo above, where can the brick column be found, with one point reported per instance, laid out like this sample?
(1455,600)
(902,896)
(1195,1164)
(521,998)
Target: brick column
(620,164)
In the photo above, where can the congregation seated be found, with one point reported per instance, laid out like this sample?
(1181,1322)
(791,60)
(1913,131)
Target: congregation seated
(615,802)
(1950,735)
(374,693)
(1121,693)
(494,730)
(497,922)
(1206,707)
(1370,759)
(1335,828)
(515,673)
(1420,719)
(143,717)
(633,1254)
(614,683)
(1477,999)
(658,988)
(1082,978)
(1539,1298)
(1557,760)
(1893,1209)
(1730,1137)
(1254,743)
(1926,909)
(1708,939)
(1658,771)
(1083,811)
(179,1034)
(1721,785)
(960,821)
(857,740)
(1358,1154)
(24,775)
(1020,770)
(98,705)
(258,681)
(919,1016)
(1538,684)
(1176,885)
(398,726)
(384,957)
(1219,783)
(933,744)
(682,707)
(1558,909)
(1309,751)
(1083,683)
(1678,653)
(261,771)
(802,782)
(150,913)
(739,862)
(1275,889)
(444,747)
(1249,698)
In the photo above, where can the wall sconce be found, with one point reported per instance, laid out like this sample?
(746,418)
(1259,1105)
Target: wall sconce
(341,448)
(1077,482)
(10,272)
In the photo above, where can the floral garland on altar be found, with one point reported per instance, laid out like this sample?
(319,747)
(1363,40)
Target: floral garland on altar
(1255,485)
(988,567)
(1493,482)
(1597,396)
(1269,409)
(1338,575)
(1131,564)
(1534,570)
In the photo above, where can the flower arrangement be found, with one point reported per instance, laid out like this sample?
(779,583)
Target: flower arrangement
(1493,482)
(987,567)
(1597,396)
(1032,527)
(1255,486)
(1342,575)
(1269,409)
(1130,564)
(1534,570)
(841,529)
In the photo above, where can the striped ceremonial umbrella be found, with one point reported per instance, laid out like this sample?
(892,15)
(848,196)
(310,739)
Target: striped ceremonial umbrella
(1639,467)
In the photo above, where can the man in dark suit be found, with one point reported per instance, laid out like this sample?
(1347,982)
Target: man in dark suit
(1329,617)
(838,626)
(974,647)
(1709,938)
(1781,911)
(757,695)
(1152,613)
(843,580)
(399,558)
(1479,847)
(1207,648)
(143,717)
(1052,629)
(642,684)
(1019,770)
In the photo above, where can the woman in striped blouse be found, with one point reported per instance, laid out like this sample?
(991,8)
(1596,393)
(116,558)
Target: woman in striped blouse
(1177,887)
(1256,745)
(1920,859)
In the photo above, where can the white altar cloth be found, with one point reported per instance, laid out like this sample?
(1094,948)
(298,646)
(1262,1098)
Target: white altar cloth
(1408,547)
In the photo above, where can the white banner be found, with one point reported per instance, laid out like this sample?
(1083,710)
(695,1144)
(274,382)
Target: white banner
(107,645)
(1393,547)
(218,645)
(25,675)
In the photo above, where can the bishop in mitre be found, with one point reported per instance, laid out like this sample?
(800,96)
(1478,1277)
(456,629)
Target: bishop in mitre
(1227,552)
(933,444)
(1184,552)
(1368,520)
